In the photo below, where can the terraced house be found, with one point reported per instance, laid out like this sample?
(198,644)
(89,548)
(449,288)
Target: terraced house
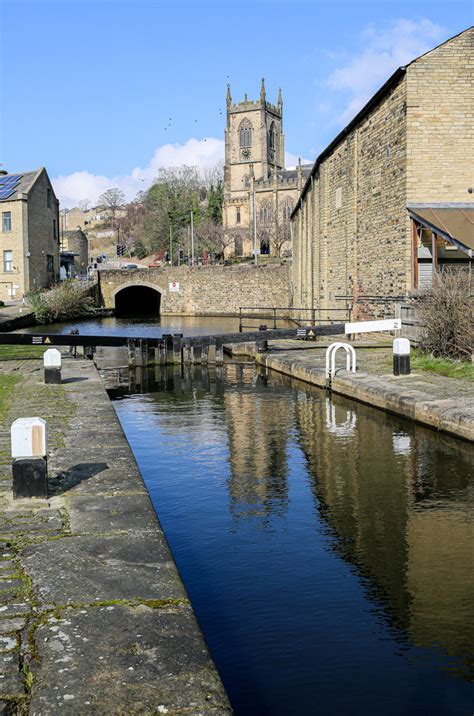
(29,233)
(390,201)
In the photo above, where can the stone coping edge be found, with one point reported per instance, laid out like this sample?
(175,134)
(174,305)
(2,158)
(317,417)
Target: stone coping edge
(384,392)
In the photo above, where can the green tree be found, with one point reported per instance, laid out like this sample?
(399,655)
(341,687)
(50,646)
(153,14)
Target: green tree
(169,203)
(215,202)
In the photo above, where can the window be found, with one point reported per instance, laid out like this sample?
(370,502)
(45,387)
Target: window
(286,210)
(245,133)
(49,263)
(7,221)
(55,229)
(237,216)
(7,261)
(266,212)
(246,181)
(271,136)
(48,198)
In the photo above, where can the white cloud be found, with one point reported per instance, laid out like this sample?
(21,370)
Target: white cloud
(71,188)
(382,53)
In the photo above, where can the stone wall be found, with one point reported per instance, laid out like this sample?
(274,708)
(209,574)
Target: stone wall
(214,290)
(352,234)
(43,234)
(440,123)
(16,242)
(349,234)
(34,235)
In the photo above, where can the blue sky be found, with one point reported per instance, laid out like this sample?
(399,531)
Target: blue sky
(104,92)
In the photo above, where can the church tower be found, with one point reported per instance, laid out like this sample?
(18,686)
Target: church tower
(253,140)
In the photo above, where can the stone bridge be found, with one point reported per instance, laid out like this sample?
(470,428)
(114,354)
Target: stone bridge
(194,291)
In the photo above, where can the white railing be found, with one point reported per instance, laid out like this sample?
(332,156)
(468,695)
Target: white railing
(331,358)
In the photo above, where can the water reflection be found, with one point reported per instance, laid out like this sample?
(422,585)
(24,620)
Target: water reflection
(317,537)
(258,425)
(400,504)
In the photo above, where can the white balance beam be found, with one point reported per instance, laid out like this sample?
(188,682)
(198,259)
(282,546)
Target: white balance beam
(389,324)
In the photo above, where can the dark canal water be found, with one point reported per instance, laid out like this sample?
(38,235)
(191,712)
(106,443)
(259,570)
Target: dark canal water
(327,547)
(188,325)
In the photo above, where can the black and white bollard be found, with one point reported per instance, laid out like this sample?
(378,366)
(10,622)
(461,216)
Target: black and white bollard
(52,366)
(401,356)
(30,468)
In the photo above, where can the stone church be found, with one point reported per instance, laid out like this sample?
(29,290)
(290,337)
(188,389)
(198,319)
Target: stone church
(259,193)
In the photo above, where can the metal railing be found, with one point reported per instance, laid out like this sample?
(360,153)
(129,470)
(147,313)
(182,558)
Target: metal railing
(288,314)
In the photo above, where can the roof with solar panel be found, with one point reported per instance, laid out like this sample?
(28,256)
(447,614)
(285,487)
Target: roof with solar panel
(13,186)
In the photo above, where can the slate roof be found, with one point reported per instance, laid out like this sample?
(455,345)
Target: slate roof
(288,174)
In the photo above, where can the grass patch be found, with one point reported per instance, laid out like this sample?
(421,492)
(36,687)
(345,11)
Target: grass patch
(441,366)
(7,383)
(21,352)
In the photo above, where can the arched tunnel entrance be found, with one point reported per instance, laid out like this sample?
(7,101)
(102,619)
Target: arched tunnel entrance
(137,301)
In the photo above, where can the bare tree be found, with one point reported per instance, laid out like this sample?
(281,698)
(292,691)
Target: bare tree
(84,204)
(111,200)
(212,237)
(274,236)
(213,175)
(280,235)
(447,311)
(129,227)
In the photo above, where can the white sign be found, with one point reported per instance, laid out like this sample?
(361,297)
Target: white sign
(390,324)
(174,287)
(52,358)
(255,252)
(28,437)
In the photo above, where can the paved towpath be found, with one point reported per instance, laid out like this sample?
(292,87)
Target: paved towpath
(446,404)
(94,617)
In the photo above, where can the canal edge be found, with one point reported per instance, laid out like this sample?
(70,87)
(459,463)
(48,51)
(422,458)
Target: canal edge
(93,592)
(387,393)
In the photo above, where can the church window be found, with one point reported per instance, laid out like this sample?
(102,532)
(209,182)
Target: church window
(266,212)
(246,181)
(271,136)
(237,215)
(245,133)
(287,208)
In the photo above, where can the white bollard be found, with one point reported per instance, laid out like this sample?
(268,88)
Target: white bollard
(29,450)
(52,366)
(401,356)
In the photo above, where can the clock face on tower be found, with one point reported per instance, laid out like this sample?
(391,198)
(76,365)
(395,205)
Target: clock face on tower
(246,153)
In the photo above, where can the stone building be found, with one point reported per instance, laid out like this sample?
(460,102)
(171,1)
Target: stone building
(29,233)
(255,179)
(389,201)
(74,252)
(92,218)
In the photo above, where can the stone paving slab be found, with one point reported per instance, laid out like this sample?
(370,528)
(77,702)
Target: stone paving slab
(99,513)
(87,570)
(84,569)
(142,666)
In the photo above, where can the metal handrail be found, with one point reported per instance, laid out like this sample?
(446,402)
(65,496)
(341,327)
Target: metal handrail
(270,313)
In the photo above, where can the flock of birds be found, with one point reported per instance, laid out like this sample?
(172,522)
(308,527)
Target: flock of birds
(195,121)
